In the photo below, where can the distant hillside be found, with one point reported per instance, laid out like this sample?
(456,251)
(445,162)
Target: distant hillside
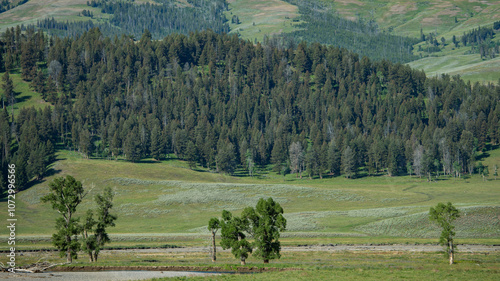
(255,19)
(403,18)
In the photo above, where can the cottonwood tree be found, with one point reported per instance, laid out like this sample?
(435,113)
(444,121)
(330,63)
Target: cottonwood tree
(92,244)
(66,194)
(214,225)
(266,222)
(444,215)
(233,236)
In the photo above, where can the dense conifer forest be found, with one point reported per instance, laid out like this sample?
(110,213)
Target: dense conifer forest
(223,103)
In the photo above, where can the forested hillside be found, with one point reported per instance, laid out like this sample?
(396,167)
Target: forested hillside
(162,17)
(224,103)
(6,5)
(322,25)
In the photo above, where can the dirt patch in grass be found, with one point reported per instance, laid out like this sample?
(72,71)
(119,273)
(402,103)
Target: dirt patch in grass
(277,7)
(347,2)
(431,21)
(168,268)
(403,8)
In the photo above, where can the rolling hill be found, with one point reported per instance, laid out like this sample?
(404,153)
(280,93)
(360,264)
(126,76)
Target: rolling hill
(256,18)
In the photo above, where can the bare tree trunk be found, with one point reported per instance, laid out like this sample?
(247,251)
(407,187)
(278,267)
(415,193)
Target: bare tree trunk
(451,253)
(69,259)
(214,249)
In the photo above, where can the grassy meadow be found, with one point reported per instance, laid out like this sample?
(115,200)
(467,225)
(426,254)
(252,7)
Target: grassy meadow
(165,202)
(259,18)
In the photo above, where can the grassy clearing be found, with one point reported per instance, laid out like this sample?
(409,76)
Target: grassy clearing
(165,201)
(259,17)
(469,67)
(33,10)
(407,17)
(25,96)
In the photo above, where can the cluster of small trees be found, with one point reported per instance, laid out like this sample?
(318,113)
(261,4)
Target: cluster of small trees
(480,40)
(263,224)
(66,194)
(323,25)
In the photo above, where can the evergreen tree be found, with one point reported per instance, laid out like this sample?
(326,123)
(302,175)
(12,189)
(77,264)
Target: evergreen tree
(192,155)
(8,91)
(156,142)
(226,157)
(348,163)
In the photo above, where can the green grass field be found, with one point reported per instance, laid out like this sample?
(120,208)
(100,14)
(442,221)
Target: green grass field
(25,96)
(165,201)
(259,17)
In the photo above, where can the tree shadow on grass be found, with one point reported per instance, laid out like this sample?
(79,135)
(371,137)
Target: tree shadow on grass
(482,156)
(50,172)
(21,99)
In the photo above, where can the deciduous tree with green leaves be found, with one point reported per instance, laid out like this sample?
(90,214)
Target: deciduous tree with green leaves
(444,215)
(266,222)
(214,225)
(233,236)
(92,244)
(66,194)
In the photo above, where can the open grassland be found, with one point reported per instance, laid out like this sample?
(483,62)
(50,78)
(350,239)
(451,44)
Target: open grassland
(309,265)
(165,202)
(259,17)
(34,10)
(25,96)
(407,17)
(458,61)
(469,67)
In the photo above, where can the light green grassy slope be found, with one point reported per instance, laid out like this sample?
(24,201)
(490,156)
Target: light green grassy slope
(400,17)
(25,96)
(259,17)
(166,198)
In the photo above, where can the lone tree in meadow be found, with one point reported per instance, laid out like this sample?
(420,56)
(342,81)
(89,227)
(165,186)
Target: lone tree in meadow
(266,222)
(214,225)
(66,194)
(233,236)
(444,215)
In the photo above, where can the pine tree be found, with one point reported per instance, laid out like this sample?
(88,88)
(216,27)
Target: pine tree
(191,154)
(8,91)
(157,147)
